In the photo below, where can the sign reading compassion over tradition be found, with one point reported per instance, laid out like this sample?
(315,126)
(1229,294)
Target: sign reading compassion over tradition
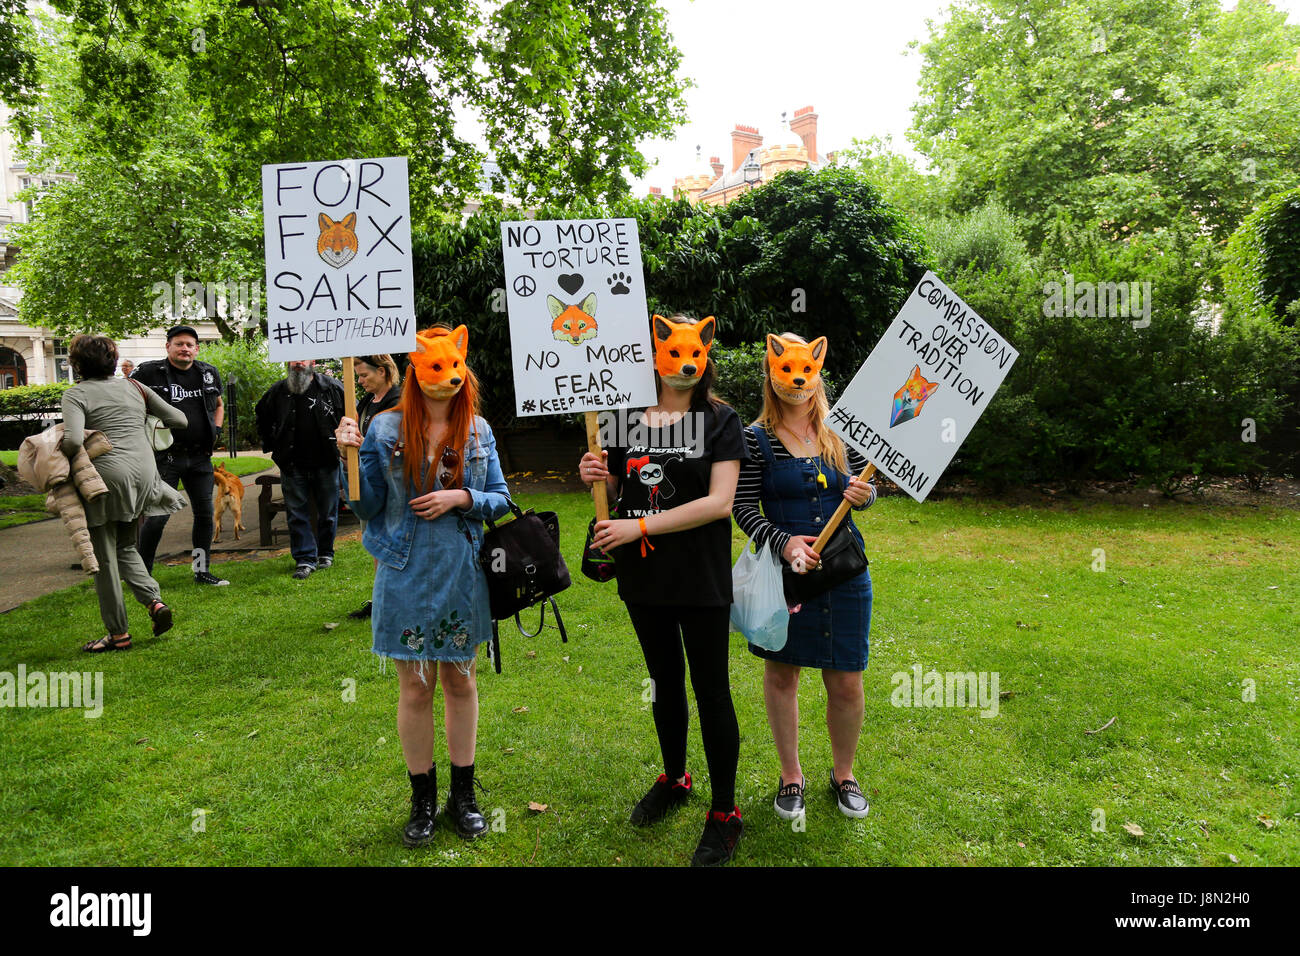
(923,387)
(579,330)
(338,258)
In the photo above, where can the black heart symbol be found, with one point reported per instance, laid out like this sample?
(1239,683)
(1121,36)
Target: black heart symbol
(570,282)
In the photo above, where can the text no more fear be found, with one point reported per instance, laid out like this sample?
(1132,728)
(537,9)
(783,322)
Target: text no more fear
(594,387)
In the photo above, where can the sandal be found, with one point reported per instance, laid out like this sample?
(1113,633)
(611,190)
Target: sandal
(107,643)
(161,615)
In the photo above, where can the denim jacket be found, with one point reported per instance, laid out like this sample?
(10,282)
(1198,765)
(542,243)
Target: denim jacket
(385,496)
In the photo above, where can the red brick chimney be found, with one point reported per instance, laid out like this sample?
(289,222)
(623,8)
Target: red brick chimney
(656,191)
(804,125)
(743,139)
(716,163)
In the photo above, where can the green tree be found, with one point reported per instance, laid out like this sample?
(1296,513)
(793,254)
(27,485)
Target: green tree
(572,87)
(1262,268)
(165,112)
(17,58)
(1135,113)
(827,256)
(916,193)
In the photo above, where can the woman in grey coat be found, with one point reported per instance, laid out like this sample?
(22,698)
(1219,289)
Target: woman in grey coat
(117,407)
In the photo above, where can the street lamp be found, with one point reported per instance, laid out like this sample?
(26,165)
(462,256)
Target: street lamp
(752,172)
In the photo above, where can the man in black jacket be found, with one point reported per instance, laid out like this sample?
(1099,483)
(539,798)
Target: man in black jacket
(296,419)
(194,388)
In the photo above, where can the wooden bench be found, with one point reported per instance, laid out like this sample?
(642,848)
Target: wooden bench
(267,509)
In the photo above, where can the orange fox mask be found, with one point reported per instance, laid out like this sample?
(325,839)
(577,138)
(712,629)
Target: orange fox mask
(793,368)
(439,361)
(682,350)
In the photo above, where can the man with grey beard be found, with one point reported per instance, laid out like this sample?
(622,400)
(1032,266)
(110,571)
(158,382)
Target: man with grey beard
(296,419)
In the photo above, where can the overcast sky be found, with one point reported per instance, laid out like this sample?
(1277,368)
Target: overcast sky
(753,59)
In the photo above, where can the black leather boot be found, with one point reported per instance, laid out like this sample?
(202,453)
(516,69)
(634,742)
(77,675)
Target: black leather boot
(424,808)
(462,809)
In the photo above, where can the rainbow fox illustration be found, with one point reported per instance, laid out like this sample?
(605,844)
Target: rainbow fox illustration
(909,399)
(337,244)
(573,323)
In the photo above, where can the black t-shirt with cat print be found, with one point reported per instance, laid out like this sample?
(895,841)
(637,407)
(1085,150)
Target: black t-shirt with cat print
(661,468)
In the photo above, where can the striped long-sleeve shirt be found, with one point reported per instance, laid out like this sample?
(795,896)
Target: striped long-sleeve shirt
(746,506)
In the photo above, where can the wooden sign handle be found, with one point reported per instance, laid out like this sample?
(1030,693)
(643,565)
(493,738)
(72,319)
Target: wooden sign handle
(350,409)
(840,512)
(593,446)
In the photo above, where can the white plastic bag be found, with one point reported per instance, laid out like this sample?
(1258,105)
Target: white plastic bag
(758,607)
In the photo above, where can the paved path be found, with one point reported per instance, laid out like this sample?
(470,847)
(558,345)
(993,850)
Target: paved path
(38,558)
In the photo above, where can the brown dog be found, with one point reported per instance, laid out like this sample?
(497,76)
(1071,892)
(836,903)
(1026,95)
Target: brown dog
(229,495)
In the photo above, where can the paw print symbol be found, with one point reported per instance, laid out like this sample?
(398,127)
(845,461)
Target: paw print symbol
(618,283)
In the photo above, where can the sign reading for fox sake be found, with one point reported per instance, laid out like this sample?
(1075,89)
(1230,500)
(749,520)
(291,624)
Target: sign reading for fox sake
(579,331)
(923,387)
(338,258)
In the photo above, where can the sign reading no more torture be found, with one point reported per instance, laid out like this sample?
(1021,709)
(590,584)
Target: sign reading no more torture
(579,331)
(338,258)
(923,387)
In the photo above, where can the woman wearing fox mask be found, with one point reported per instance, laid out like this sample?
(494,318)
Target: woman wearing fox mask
(800,470)
(429,477)
(673,471)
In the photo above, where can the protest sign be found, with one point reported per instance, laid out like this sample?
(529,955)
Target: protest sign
(339,281)
(338,258)
(923,387)
(579,330)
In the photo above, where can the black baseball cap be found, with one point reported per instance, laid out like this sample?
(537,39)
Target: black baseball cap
(176,330)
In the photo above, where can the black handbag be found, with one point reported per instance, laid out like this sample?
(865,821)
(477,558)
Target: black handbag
(842,559)
(522,561)
(596,564)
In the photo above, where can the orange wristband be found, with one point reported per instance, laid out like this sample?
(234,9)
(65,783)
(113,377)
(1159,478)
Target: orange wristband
(645,538)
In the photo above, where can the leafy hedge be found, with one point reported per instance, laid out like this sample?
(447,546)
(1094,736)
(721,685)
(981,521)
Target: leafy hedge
(246,363)
(31,399)
(1098,398)
(1262,272)
(35,400)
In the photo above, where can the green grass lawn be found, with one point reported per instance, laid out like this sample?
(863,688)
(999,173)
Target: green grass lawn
(20,509)
(240,711)
(243,465)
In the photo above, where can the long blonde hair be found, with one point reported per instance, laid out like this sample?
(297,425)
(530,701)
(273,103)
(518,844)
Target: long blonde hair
(829,445)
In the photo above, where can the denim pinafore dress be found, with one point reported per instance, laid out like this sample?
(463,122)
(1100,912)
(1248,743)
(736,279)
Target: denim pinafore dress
(831,631)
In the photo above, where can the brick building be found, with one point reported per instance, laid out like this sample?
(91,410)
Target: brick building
(753,164)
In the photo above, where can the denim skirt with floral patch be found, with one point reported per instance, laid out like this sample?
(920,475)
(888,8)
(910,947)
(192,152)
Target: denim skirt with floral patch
(436,607)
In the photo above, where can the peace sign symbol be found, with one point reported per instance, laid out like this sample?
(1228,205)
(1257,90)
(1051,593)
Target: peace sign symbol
(525,286)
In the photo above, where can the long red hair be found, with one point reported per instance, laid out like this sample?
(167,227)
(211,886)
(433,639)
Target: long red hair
(415,425)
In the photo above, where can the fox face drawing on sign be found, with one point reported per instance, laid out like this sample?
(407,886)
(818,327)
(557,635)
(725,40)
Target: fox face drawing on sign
(573,323)
(576,297)
(337,245)
(337,237)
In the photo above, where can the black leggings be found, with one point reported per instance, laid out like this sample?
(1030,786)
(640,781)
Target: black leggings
(662,631)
